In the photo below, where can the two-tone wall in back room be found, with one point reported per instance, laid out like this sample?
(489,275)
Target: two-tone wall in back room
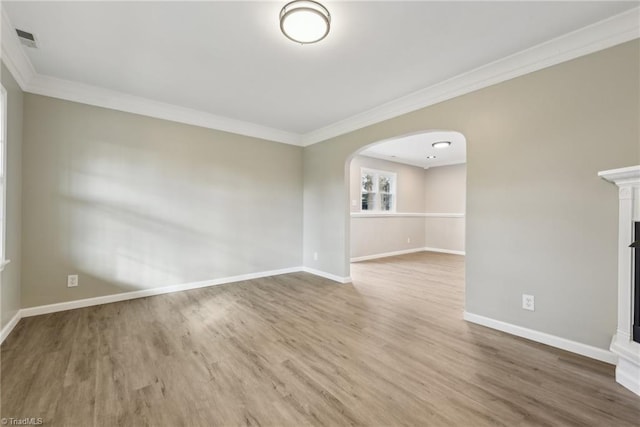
(429,213)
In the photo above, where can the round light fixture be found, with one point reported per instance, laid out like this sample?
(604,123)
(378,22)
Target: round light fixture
(431,157)
(305,21)
(441,144)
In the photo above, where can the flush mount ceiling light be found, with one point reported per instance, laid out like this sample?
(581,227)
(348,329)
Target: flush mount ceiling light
(441,144)
(305,21)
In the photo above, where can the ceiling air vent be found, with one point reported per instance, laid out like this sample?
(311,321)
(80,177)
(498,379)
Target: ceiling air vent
(27,38)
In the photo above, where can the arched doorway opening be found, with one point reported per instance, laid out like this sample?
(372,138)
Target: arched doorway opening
(406,194)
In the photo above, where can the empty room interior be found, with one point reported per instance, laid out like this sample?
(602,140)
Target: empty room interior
(288,213)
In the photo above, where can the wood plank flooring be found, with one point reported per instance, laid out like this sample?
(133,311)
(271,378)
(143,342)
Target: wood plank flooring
(389,350)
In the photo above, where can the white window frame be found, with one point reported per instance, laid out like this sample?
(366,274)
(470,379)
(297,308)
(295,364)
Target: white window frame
(378,199)
(3,177)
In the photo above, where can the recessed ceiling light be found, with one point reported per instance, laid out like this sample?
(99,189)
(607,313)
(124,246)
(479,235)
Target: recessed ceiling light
(441,144)
(305,21)
(431,157)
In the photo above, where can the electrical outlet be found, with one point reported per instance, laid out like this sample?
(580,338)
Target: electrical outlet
(408,239)
(528,302)
(72,281)
(315,256)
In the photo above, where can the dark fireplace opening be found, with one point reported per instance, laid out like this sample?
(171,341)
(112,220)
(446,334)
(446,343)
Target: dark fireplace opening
(636,285)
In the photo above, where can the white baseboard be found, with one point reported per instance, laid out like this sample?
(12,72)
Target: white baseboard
(386,254)
(87,302)
(444,251)
(628,369)
(106,299)
(326,275)
(404,252)
(405,215)
(544,338)
(4,333)
(628,375)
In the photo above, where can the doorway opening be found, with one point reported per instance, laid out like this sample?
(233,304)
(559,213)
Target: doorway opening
(406,195)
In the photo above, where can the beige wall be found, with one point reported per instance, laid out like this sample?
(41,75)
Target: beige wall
(131,202)
(445,189)
(10,281)
(539,220)
(445,193)
(445,234)
(379,235)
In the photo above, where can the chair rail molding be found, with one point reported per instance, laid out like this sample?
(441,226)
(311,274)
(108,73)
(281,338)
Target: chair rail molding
(627,350)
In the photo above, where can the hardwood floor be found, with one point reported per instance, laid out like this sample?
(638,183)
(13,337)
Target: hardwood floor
(292,350)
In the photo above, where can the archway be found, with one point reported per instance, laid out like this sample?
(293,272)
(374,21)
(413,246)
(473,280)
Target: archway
(391,208)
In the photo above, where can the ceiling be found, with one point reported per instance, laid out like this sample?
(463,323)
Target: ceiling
(414,149)
(229,59)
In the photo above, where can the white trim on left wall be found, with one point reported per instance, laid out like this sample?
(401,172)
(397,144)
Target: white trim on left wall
(106,299)
(119,101)
(29,80)
(124,296)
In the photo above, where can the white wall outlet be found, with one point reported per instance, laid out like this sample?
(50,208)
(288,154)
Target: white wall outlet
(408,239)
(315,256)
(72,281)
(528,302)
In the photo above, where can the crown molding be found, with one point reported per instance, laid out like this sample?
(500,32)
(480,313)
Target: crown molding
(18,63)
(13,56)
(592,38)
(601,35)
(100,97)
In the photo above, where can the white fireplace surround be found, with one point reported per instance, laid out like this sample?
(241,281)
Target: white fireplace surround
(627,350)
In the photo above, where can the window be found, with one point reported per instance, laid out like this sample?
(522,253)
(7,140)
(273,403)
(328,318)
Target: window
(378,190)
(3,169)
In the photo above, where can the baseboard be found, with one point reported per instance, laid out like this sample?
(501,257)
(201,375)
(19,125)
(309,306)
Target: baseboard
(4,333)
(444,251)
(326,275)
(405,215)
(124,296)
(544,338)
(404,252)
(628,369)
(628,375)
(386,254)
(88,302)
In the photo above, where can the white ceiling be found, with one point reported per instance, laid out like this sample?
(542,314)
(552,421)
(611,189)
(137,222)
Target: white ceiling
(414,149)
(230,59)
